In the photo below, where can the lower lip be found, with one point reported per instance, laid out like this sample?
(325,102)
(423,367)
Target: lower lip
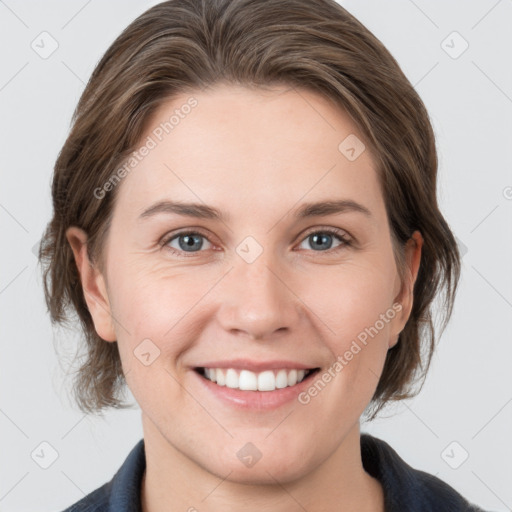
(258,400)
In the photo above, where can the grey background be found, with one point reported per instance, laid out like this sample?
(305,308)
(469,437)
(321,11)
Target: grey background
(467,397)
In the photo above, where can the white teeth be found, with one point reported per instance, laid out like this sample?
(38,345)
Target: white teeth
(231,378)
(248,381)
(245,380)
(281,379)
(266,381)
(221,378)
(292,378)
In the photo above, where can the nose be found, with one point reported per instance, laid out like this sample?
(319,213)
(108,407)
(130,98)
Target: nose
(257,300)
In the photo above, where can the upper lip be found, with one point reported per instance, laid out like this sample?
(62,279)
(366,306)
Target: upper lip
(256,366)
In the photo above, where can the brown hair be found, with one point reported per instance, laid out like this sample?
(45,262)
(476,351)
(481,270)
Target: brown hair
(185,45)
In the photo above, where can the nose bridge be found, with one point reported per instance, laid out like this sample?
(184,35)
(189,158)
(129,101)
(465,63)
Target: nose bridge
(255,299)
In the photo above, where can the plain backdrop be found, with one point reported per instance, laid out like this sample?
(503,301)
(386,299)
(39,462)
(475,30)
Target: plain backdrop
(457,54)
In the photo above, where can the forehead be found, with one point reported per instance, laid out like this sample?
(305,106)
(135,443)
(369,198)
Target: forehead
(249,146)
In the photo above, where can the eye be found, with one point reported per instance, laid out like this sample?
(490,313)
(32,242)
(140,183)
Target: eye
(186,241)
(323,239)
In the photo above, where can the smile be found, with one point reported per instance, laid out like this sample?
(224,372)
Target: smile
(246,380)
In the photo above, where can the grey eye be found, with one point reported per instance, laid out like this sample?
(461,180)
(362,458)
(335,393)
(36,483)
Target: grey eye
(322,240)
(188,242)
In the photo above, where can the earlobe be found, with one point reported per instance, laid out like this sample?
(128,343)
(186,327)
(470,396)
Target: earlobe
(406,295)
(93,285)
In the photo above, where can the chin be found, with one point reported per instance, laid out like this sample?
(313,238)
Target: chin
(246,464)
(261,473)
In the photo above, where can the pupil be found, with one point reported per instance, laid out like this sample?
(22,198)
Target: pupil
(188,242)
(323,238)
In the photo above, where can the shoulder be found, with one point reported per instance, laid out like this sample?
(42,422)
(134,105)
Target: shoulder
(406,488)
(122,493)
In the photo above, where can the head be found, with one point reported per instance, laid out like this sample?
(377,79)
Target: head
(257,110)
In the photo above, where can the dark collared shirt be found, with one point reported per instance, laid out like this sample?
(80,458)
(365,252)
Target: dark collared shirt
(405,489)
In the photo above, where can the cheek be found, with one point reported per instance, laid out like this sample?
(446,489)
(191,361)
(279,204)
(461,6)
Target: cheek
(355,304)
(153,310)
(350,299)
(154,299)
(160,313)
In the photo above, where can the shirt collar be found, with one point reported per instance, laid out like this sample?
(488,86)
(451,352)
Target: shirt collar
(406,488)
(125,495)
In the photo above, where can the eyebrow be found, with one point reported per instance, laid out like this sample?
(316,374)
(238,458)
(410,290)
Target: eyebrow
(202,211)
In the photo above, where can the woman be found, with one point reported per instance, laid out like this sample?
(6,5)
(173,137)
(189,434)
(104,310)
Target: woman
(246,223)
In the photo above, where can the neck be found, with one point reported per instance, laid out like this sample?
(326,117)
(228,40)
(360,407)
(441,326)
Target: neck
(172,480)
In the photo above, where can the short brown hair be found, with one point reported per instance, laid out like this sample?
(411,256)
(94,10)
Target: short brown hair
(186,45)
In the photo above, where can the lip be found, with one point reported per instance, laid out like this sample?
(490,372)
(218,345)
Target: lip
(256,366)
(255,400)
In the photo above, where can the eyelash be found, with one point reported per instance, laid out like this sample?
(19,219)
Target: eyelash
(342,237)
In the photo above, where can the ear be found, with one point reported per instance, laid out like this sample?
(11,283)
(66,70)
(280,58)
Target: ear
(405,296)
(93,285)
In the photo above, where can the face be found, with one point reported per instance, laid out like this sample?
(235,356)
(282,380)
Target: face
(272,283)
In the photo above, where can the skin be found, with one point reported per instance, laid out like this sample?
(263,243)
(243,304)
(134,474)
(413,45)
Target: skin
(257,156)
